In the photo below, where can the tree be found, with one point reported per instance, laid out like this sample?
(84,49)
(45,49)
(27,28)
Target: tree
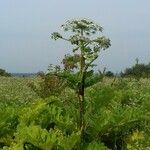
(4,73)
(109,74)
(86,50)
(138,70)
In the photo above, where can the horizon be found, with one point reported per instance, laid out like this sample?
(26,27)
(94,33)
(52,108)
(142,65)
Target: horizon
(25,44)
(94,70)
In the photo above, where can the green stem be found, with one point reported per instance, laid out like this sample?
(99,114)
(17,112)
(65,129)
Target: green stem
(81,90)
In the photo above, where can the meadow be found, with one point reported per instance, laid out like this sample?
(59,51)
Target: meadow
(15,90)
(117,116)
(73,108)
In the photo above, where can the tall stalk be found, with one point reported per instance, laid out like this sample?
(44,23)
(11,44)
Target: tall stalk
(81,88)
(88,49)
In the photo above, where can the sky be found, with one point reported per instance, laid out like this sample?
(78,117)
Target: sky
(26,26)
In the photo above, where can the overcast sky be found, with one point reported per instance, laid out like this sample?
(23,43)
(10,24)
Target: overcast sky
(26,25)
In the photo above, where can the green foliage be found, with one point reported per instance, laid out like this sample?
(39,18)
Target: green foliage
(45,125)
(15,91)
(111,114)
(8,124)
(86,50)
(137,71)
(46,140)
(4,73)
(48,84)
(138,140)
(111,119)
(117,117)
(8,120)
(109,74)
(96,146)
(70,62)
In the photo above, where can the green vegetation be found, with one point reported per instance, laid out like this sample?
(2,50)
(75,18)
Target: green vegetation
(15,90)
(86,50)
(4,73)
(73,108)
(116,116)
(137,71)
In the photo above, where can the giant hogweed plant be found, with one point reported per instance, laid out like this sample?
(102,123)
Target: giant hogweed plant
(87,46)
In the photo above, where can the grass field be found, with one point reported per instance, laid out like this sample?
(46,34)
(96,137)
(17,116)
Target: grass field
(117,114)
(16,90)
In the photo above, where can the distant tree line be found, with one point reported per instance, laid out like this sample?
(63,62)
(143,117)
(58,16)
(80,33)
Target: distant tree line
(138,71)
(4,73)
